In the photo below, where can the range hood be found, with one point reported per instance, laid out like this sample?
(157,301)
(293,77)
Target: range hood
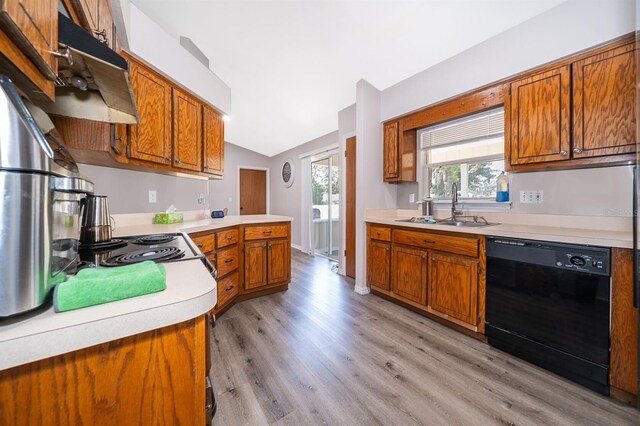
(93,81)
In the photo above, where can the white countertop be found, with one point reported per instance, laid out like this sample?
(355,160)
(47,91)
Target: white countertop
(131,226)
(190,292)
(594,237)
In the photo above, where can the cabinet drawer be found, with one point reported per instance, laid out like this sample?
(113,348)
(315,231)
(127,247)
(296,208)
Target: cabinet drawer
(379,233)
(205,243)
(227,261)
(262,232)
(226,238)
(446,243)
(228,289)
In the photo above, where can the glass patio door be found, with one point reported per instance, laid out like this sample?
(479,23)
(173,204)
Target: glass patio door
(325,204)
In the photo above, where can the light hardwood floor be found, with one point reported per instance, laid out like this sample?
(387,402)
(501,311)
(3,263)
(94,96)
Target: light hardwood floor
(322,354)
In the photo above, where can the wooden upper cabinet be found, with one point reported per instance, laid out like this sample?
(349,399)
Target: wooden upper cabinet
(105,30)
(391,152)
(151,137)
(379,265)
(32,25)
(540,114)
(213,142)
(87,11)
(255,264)
(410,274)
(453,287)
(278,261)
(187,131)
(604,99)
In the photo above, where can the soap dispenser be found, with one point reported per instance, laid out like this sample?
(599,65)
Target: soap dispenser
(502,190)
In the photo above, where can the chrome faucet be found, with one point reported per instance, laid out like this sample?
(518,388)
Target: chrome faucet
(454,200)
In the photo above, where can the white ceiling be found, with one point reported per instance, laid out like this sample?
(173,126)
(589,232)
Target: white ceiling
(292,65)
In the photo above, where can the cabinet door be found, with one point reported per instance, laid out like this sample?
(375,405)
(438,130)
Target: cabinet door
(540,118)
(453,287)
(213,142)
(278,261)
(187,131)
(410,274)
(255,264)
(151,137)
(33,26)
(604,99)
(378,265)
(104,30)
(391,149)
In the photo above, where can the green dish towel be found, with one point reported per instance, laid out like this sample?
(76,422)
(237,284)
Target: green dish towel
(94,286)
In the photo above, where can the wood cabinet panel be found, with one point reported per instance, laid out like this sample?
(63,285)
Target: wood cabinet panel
(379,265)
(213,141)
(409,279)
(540,114)
(604,102)
(278,261)
(157,377)
(105,29)
(391,152)
(379,233)
(151,138)
(227,260)
(226,238)
(624,324)
(187,131)
(228,289)
(255,264)
(263,232)
(453,244)
(33,26)
(453,287)
(206,243)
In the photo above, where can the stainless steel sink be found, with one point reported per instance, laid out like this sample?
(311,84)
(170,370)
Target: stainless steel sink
(476,222)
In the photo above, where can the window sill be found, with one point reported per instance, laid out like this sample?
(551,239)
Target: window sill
(474,205)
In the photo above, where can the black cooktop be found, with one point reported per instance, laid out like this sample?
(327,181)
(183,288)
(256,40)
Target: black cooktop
(138,248)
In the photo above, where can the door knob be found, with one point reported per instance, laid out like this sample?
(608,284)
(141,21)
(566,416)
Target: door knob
(563,153)
(577,150)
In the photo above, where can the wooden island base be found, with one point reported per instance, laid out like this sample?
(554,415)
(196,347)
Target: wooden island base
(157,377)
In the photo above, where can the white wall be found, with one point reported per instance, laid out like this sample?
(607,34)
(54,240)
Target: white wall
(224,193)
(288,201)
(568,28)
(128,190)
(372,192)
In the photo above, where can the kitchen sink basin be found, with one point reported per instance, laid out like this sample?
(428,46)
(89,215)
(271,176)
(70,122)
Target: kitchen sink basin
(467,223)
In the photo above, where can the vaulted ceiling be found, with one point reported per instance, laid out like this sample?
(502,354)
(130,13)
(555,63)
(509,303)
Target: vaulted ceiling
(292,65)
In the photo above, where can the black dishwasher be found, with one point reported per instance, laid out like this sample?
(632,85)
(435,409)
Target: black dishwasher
(549,304)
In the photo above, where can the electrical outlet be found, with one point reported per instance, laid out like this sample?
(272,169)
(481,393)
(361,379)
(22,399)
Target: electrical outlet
(230,200)
(152,197)
(412,198)
(201,199)
(532,197)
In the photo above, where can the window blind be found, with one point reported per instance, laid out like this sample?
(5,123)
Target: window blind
(478,126)
(474,138)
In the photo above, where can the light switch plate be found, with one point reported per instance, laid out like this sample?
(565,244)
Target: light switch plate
(152,197)
(532,197)
(412,198)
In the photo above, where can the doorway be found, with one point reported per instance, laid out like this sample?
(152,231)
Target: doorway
(252,190)
(325,204)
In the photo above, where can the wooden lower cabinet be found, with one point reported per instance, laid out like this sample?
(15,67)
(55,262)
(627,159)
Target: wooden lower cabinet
(379,265)
(409,268)
(453,287)
(435,272)
(247,267)
(157,377)
(255,265)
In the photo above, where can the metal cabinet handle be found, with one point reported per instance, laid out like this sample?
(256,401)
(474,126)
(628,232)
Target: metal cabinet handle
(167,159)
(229,237)
(228,261)
(563,153)
(200,245)
(102,36)
(229,288)
(267,232)
(177,161)
(429,241)
(577,150)
(115,139)
(66,55)
(386,249)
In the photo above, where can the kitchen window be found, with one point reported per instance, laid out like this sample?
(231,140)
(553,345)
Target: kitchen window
(468,151)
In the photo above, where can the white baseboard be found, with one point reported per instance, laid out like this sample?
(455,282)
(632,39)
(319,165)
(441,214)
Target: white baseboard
(362,290)
(296,246)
